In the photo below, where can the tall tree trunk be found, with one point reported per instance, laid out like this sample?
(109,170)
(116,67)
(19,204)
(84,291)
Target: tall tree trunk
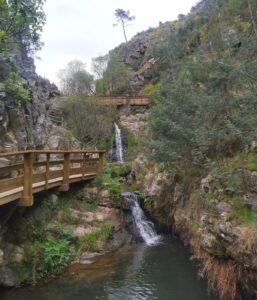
(124,31)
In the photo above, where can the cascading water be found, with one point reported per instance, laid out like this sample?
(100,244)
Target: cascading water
(119,147)
(145,227)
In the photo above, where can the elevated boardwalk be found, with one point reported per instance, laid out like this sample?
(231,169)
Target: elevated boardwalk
(31,172)
(125,100)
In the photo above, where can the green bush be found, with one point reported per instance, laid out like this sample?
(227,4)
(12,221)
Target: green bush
(14,86)
(252,161)
(56,254)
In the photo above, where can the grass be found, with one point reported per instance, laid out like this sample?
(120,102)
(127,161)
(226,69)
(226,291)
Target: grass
(252,161)
(242,214)
(94,241)
(195,226)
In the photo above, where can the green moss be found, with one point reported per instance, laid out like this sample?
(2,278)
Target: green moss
(14,86)
(195,226)
(22,272)
(252,161)
(151,88)
(241,213)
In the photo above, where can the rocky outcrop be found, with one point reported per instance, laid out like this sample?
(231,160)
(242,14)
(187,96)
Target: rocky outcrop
(136,124)
(208,224)
(137,55)
(89,219)
(24,125)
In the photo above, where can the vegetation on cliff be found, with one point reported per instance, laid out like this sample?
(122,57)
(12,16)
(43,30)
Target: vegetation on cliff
(207,100)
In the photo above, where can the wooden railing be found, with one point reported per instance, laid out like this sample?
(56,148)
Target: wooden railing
(125,100)
(30,172)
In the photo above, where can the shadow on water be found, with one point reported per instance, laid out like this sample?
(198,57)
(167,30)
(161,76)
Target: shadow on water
(141,272)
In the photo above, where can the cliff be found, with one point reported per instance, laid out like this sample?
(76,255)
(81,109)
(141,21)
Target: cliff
(23,123)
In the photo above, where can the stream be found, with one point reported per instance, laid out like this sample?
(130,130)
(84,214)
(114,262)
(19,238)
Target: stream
(142,272)
(157,268)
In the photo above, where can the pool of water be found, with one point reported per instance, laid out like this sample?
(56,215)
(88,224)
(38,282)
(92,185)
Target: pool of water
(140,272)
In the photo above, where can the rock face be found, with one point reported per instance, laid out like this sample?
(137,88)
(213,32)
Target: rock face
(136,124)
(136,54)
(91,221)
(206,223)
(24,125)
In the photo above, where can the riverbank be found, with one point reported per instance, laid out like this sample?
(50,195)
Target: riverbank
(162,272)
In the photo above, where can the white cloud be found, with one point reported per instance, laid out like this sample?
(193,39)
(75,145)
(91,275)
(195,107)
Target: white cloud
(82,29)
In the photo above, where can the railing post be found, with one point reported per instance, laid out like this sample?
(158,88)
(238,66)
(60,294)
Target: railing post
(27,198)
(47,169)
(101,163)
(84,165)
(66,173)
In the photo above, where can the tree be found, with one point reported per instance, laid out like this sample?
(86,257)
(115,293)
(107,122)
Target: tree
(22,21)
(123,17)
(99,65)
(75,80)
(91,123)
(115,76)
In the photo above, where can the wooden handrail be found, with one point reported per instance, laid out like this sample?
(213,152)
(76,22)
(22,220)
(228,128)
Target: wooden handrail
(75,165)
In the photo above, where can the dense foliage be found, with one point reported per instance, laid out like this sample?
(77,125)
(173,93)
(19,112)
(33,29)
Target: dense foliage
(21,22)
(90,122)
(112,74)
(75,80)
(208,95)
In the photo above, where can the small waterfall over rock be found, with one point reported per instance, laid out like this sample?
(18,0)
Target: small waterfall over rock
(144,227)
(119,147)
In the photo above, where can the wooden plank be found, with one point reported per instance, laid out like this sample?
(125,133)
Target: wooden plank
(10,168)
(66,173)
(100,164)
(90,163)
(10,198)
(55,174)
(38,177)
(47,170)
(10,184)
(27,197)
(18,153)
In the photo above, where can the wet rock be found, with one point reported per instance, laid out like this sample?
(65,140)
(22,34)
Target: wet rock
(54,199)
(88,258)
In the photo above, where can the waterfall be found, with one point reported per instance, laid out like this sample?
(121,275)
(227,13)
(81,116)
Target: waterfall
(144,227)
(119,148)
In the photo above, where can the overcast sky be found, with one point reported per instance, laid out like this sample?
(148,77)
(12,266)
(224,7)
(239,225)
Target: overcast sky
(83,29)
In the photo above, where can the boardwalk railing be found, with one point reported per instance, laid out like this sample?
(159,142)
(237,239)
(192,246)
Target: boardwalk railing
(125,100)
(30,172)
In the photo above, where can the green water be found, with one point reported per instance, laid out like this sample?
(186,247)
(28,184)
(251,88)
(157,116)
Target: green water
(139,272)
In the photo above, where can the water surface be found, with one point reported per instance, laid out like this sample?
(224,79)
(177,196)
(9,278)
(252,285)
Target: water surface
(140,272)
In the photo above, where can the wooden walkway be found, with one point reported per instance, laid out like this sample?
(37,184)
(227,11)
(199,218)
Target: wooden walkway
(125,100)
(30,172)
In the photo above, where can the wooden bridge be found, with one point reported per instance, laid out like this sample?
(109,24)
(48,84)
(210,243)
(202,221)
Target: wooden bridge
(30,172)
(125,100)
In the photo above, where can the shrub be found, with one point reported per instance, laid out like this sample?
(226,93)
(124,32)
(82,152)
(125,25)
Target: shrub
(56,254)
(94,241)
